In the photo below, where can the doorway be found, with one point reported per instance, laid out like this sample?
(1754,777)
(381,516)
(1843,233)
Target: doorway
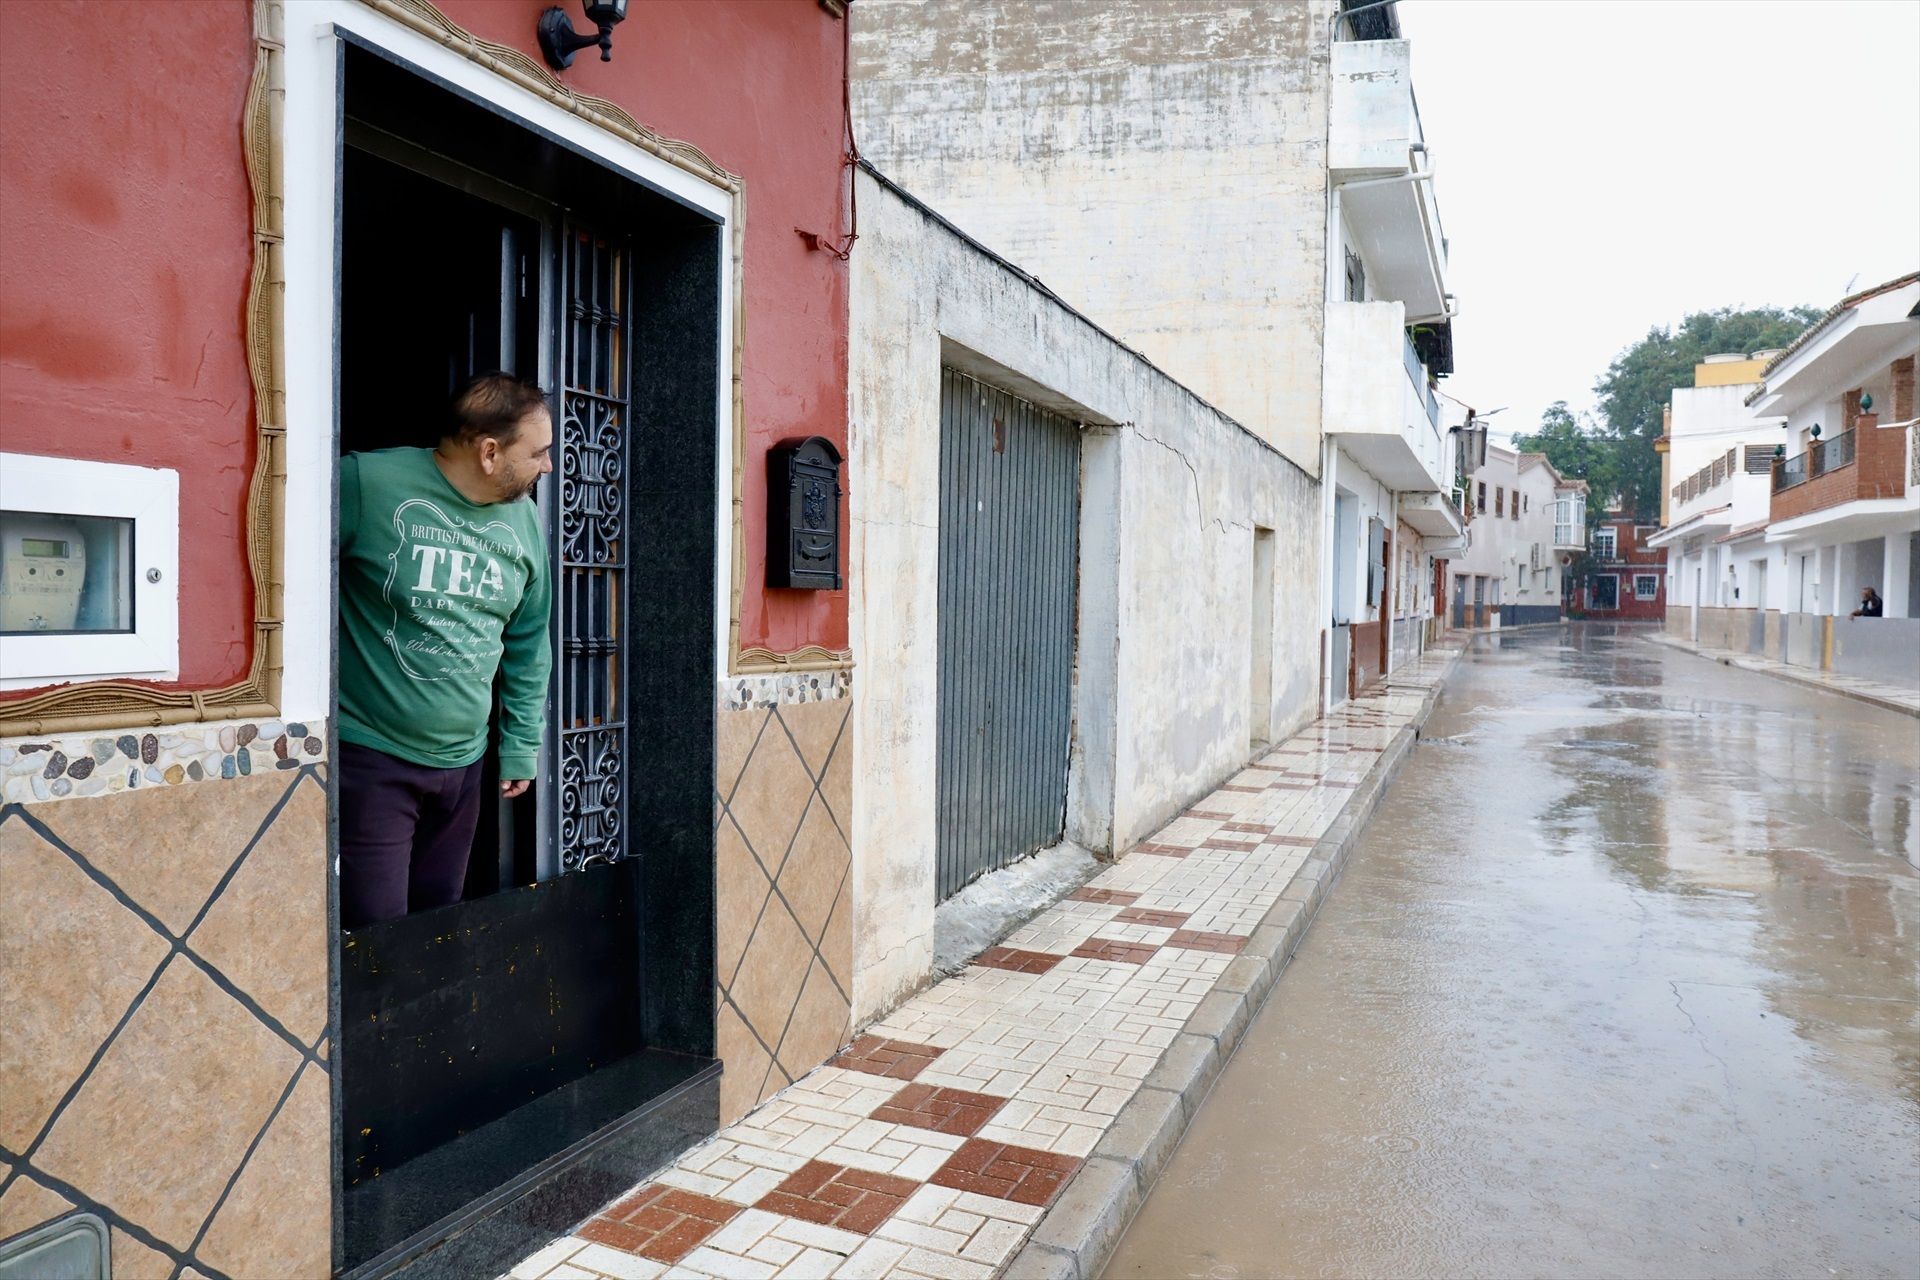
(504,1044)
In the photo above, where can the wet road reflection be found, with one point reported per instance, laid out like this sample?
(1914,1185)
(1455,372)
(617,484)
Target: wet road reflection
(1620,981)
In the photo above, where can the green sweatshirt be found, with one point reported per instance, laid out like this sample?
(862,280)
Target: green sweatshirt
(436,595)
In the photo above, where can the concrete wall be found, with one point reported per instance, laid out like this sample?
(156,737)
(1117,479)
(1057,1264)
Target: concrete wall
(1172,491)
(1162,166)
(1884,649)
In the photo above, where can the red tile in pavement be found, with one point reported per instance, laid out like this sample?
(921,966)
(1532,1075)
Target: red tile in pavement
(993,1169)
(1295,842)
(953,1111)
(1289,786)
(1248,828)
(1162,850)
(1159,919)
(1252,791)
(1329,782)
(1195,940)
(1207,815)
(1231,846)
(659,1222)
(836,1196)
(1016,960)
(1107,897)
(878,1056)
(1120,952)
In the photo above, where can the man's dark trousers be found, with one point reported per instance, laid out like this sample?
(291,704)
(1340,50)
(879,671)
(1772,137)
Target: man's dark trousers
(405,833)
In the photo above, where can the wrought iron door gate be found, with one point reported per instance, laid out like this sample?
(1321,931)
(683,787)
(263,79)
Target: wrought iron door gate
(595,394)
(1009,542)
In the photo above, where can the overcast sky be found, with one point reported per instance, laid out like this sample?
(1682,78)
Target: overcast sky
(1607,166)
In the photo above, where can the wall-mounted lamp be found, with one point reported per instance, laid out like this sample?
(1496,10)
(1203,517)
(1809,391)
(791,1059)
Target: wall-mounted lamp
(559,41)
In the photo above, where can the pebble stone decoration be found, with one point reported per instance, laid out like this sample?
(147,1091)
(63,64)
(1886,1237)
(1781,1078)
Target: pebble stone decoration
(756,692)
(33,770)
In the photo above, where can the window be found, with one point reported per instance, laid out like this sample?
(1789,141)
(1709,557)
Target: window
(1603,546)
(1499,501)
(88,570)
(1480,504)
(1646,586)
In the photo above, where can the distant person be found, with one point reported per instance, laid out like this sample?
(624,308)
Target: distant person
(1871,605)
(443,586)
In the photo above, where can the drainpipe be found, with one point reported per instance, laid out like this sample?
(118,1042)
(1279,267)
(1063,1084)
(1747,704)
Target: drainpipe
(1393,580)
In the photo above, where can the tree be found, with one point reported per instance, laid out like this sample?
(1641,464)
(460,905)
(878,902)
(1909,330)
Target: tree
(1642,378)
(1578,452)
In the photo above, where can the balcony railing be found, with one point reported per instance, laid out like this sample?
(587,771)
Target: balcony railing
(1831,455)
(1792,472)
(1823,457)
(1417,374)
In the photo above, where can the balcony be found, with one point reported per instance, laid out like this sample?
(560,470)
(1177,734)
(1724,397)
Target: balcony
(1375,144)
(1377,398)
(1570,523)
(1863,464)
(1433,515)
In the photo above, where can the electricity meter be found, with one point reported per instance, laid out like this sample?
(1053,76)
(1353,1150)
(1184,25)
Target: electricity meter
(43,570)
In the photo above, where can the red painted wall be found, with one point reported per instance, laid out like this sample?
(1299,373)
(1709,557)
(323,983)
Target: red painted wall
(125,253)
(756,84)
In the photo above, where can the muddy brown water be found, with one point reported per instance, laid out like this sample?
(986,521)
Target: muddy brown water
(1621,980)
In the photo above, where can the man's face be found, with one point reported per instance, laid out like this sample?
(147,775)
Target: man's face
(516,468)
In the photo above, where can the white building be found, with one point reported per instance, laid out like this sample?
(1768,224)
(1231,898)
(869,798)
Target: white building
(1842,511)
(1718,467)
(1243,194)
(1527,523)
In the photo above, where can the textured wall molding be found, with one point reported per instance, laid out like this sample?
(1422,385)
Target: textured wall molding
(108,762)
(106,704)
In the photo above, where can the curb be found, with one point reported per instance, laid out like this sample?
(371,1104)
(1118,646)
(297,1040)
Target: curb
(1805,682)
(1078,1235)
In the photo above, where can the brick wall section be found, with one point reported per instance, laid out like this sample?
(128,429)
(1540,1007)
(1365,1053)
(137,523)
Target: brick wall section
(1878,469)
(1903,389)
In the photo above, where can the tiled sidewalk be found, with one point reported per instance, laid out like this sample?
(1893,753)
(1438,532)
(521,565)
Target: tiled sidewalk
(1890,696)
(932,1145)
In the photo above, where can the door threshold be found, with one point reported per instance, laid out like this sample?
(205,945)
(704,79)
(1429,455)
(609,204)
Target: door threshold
(475,1207)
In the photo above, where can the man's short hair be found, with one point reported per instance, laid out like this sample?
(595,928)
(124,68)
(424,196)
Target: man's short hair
(493,404)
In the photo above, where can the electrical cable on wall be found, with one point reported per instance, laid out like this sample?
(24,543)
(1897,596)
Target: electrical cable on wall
(844,250)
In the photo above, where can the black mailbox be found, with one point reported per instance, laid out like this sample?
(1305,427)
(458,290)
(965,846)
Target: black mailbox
(803,515)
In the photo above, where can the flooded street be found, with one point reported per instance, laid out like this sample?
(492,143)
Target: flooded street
(1620,981)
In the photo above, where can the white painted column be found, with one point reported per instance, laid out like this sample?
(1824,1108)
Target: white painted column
(1895,567)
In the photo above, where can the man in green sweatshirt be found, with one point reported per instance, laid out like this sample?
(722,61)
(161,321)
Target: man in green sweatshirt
(443,585)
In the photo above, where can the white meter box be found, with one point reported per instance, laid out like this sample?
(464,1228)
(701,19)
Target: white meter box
(89,571)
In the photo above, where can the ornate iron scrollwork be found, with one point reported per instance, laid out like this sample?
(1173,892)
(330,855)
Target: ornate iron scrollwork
(595,404)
